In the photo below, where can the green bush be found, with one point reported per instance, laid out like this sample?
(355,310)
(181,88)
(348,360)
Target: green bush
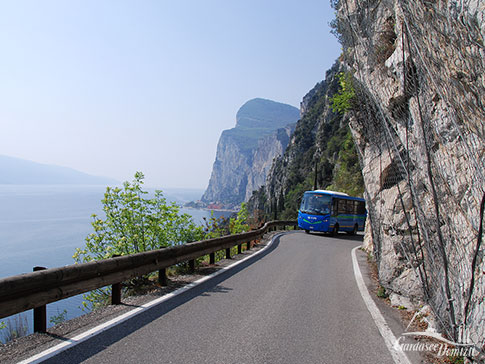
(342,100)
(215,227)
(381,292)
(133,223)
(59,318)
(240,224)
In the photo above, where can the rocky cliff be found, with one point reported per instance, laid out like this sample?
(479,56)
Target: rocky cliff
(246,152)
(268,148)
(321,145)
(419,75)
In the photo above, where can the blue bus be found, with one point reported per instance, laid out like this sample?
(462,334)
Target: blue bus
(331,212)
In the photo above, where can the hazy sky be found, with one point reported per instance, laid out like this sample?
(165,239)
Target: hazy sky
(110,87)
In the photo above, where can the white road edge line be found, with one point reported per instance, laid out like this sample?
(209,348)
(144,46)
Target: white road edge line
(398,355)
(49,353)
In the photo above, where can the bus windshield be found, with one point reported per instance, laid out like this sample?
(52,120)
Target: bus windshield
(315,204)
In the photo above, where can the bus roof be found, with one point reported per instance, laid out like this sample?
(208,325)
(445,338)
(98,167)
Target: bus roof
(335,193)
(330,192)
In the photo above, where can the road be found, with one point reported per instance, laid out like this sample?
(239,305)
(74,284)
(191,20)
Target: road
(295,303)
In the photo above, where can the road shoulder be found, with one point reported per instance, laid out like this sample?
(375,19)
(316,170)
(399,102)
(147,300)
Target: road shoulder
(392,316)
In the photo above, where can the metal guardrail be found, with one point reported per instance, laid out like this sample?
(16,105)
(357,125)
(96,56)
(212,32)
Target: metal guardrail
(34,290)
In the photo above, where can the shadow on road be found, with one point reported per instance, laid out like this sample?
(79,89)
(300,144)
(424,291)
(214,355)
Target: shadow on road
(217,289)
(341,236)
(100,342)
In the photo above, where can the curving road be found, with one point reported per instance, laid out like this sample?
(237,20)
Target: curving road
(295,303)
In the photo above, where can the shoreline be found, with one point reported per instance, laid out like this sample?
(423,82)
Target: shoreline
(209,209)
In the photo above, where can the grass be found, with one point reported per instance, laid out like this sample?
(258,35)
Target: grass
(381,292)
(15,328)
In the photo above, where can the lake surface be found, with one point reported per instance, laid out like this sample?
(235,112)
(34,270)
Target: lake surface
(43,226)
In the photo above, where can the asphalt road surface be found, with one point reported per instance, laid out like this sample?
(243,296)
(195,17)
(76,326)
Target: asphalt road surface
(297,302)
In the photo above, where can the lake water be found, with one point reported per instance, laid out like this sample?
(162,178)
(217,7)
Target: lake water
(43,226)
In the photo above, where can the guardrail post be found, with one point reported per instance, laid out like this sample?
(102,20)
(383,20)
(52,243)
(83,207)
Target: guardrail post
(116,290)
(116,294)
(192,265)
(212,258)
(40,313)
(228,253)
(239,249)
(162,277)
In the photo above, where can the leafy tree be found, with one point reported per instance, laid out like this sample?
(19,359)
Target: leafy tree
(215,227)
(240,224)
(134,223)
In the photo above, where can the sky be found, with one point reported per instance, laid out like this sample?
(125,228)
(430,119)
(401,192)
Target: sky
(111,87)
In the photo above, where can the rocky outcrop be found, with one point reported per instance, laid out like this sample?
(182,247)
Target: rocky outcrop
(322,139)
(419,74)
(268,149)
(246,152)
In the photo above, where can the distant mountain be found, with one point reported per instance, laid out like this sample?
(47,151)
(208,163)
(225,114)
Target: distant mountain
(21,171)
(259,118)
(245,153)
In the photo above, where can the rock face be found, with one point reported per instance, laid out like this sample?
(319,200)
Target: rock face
(321,138)
(268,149)
(420,79)
(246,152)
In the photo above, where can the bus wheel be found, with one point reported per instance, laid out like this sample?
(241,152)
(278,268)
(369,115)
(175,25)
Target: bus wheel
(307,231)
(335,230)
(354,231)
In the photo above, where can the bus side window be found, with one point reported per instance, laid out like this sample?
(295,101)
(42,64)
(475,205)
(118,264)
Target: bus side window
(356,208)
(350,206)
(361,208)
(342,206)
(334,207)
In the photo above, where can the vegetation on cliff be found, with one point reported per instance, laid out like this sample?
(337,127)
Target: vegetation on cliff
(321,152)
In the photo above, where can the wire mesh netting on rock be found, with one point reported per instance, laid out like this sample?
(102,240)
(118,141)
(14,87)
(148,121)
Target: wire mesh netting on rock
(419,124)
